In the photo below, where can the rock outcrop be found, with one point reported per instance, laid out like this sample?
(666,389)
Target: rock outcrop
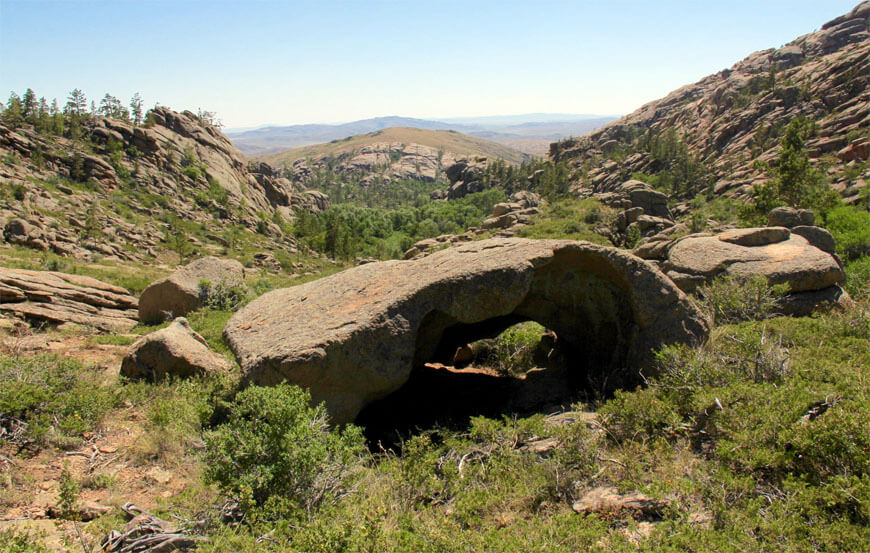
(179,293)
(175,351)
(730,119)
(177,164)
(387,155)
(57,298)
(515,213)
(354,337)
(465,177)
(506,219)
(773,252)
(800,257)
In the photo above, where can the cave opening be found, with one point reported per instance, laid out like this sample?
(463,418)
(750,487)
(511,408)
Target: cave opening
(503,366)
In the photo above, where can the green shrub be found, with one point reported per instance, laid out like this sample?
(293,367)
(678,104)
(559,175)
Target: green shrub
(640,415)
(192,172)
(514,351)
(20,541)
(68,492)
(632,236)
(858,278)
(734,299)
(57,399)
(19,192)
(222,296)
(851,229)
(277,452)
(176,412)
(836,441)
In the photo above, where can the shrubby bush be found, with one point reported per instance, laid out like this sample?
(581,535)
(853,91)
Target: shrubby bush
(514,349)
(223,296)
(56,399)
(176,413)
(20,541)
(733,299)
(858,278)
(851,229)
(277,454)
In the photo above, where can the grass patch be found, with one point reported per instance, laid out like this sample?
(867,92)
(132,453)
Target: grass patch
(111,340)
(210,325)
(571,219)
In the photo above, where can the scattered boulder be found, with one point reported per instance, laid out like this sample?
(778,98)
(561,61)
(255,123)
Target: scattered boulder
(790,217)
(267,261)
(179,293)
(58,298)
(354,337)
(172,351)
(856,151)
(793,261)
(515,213)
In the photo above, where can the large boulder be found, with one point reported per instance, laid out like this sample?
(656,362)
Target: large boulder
(354,337)
(781,256)
(172,351)
(179,293)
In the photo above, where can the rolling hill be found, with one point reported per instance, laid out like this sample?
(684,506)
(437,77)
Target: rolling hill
(402,153)
(531,133)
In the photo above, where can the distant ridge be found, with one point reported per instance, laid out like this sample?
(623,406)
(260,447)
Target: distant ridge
(534,131)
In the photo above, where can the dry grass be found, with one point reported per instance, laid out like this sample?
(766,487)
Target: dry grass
(448,141)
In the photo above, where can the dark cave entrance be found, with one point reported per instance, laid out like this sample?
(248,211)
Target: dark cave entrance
(465,375)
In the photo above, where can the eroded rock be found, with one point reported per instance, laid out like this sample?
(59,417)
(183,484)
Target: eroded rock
(354,337)
(58,298)
(793,261)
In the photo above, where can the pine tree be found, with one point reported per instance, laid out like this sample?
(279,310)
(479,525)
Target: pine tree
(179,240)
(136,109)
(77,103)
(28,104)
(795,182)
(13,115)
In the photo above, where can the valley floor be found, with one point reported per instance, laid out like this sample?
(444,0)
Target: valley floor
(756,442)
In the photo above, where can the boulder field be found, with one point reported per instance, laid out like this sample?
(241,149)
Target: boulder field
(354,337)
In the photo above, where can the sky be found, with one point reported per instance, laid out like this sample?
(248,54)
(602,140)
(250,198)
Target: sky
(260,62)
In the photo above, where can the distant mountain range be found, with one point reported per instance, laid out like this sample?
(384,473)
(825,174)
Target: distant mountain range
(530,133)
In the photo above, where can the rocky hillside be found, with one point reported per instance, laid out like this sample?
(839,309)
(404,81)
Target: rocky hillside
(398,153)
(121,190)
(725,122)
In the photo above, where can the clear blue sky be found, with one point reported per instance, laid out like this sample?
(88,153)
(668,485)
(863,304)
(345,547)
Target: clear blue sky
(258,62)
